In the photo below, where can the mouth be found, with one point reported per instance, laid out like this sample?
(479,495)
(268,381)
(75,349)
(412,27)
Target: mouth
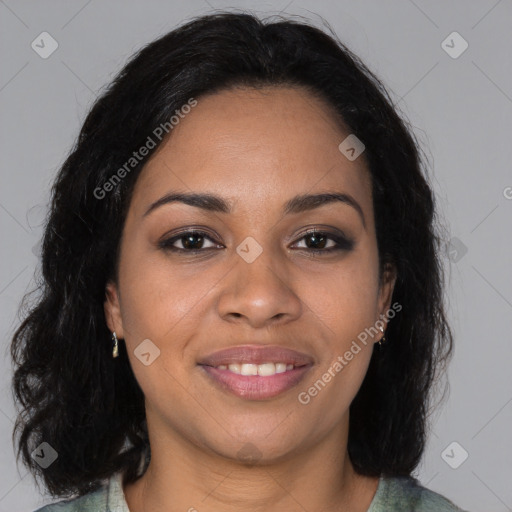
(263,370)
(256,372)
(256,355)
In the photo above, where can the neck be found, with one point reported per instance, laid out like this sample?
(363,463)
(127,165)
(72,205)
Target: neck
(182,476)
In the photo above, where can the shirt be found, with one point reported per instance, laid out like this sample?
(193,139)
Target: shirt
(397,494)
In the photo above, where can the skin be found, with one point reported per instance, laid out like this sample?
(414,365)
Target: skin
(257,149)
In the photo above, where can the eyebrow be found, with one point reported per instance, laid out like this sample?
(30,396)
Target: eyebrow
(297,204)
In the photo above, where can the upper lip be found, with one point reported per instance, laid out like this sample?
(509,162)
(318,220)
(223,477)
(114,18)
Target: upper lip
(256,354)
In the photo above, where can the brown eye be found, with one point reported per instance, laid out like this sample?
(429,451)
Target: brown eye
(324,242)
(317,240)
(190,241)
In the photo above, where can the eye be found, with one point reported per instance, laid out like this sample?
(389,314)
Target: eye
(318,242)
(191,241)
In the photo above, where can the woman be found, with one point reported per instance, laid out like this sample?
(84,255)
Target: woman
(243,218)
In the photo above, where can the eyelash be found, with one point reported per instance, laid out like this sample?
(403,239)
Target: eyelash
(342,242)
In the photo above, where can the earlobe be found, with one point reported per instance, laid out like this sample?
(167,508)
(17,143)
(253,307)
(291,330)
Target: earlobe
(112,310)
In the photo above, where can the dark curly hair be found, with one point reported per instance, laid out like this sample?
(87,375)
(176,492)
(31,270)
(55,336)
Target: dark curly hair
(72,394)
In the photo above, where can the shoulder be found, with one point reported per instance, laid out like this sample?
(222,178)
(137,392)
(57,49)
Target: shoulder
(87,503)
(406,493)
(109,497)
(92,502)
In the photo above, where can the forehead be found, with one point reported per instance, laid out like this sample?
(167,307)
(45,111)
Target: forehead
(256,145)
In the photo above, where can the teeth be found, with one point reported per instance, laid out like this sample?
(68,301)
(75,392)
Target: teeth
(249,369)
(266,369)
(280,367)
(263,370)
(235,368)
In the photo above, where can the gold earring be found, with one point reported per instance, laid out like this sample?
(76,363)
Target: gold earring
(383,339)
(115,350)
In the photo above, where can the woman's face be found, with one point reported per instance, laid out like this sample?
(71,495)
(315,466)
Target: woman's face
(254,279)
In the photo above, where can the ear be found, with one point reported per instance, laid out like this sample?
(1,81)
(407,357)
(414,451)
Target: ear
(387,286)
(113,310)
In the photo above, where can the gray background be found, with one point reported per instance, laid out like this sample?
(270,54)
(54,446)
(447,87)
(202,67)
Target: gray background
(460,109)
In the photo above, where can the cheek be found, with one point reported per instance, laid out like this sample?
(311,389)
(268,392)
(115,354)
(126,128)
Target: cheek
(345,298)
(330,392)
(160,300)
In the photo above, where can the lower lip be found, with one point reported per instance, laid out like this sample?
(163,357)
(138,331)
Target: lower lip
(255,387)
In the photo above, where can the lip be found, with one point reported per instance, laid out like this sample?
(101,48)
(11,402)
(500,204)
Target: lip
(256,354)
(254,387)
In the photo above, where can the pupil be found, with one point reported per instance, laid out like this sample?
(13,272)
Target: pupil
(189,241)
(317,237)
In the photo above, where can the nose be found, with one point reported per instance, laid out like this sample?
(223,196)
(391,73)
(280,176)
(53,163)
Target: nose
(259,293)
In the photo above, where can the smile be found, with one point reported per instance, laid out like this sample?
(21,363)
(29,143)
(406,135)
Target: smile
(263,370)
(256,381)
